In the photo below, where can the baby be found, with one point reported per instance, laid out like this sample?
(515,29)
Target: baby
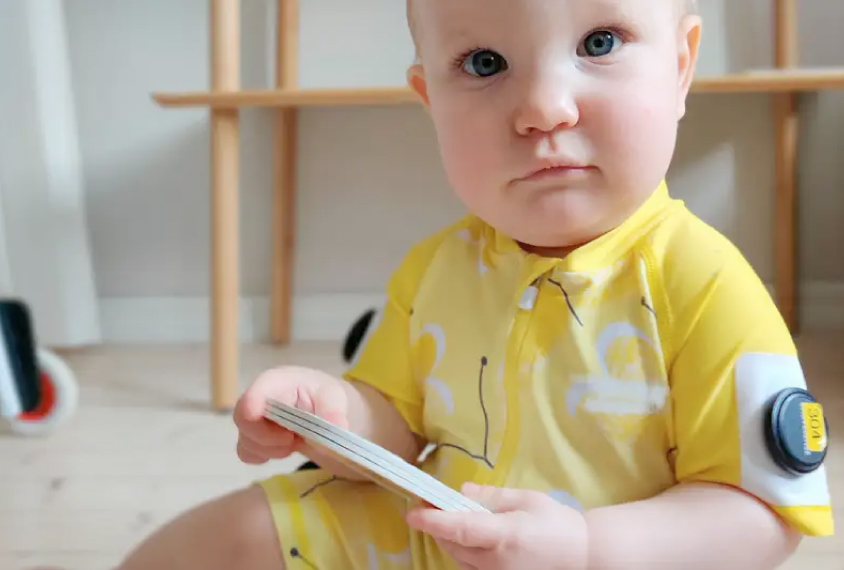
(580,353)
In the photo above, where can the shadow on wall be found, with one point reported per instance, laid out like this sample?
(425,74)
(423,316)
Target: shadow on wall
(723,169)
(165,181)
(724,166)
(822,138)
(748,29)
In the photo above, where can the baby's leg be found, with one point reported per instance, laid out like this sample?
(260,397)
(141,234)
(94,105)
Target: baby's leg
(307,520)
(234,531)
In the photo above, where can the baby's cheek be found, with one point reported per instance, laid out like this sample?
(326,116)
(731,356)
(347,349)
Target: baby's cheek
(639,131)
(467,157)
(632,115)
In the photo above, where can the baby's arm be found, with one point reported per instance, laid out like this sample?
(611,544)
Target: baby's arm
(729,355)
(690,527)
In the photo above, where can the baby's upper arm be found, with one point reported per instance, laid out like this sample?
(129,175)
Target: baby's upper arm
(741,411)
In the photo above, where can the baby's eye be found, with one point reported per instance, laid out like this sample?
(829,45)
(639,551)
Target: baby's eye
(484,63)
(599,44)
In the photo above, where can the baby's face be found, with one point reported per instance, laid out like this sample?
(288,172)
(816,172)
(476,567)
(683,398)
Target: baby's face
(593,87)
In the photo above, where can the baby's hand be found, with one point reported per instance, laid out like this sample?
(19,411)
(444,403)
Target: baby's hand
(259,439)
(527,529)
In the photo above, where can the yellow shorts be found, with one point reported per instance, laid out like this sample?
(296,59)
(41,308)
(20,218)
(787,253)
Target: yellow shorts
(325,523)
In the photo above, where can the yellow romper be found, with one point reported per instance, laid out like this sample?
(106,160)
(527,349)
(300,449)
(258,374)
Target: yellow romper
(641,360)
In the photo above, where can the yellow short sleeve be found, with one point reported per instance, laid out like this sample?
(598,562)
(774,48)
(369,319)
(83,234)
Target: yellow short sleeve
(731,353)
(384,359)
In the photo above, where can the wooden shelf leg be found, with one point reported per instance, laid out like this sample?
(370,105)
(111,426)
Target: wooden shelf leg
(785,228)
(786,129)
(285,158)
(284,224)
(225,173)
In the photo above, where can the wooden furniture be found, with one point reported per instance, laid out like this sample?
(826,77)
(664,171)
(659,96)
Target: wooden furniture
(225,99)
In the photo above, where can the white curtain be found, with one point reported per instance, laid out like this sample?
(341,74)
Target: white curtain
(45,256)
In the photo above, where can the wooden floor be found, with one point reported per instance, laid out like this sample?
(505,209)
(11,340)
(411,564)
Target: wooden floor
(144,446)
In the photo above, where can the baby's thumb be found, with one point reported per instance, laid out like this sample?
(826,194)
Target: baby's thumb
(271,385)
(331,402)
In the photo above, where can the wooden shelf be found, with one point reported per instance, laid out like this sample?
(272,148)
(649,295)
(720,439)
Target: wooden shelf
(289,98)
(772,81)
(763,81)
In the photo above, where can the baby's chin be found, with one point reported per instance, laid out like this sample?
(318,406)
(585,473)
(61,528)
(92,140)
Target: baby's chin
(571,221)
(555,247)
(563,230)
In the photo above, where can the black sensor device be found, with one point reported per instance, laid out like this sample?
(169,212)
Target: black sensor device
(18,340)
(796,431)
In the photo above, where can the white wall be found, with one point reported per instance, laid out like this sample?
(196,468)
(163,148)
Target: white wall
(45,258)
(365,171)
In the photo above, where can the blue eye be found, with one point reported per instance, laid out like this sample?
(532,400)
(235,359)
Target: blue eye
(600,43)
(484,63)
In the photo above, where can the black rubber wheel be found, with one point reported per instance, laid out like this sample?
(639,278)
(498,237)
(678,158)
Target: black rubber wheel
(356,334)
(21,351)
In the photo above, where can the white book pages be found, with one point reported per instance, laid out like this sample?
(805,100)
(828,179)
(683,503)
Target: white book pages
(371,461)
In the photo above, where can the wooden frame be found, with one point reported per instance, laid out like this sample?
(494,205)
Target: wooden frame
(225,99)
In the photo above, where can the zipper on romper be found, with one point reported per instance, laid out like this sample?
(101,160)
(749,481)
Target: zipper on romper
(514,359)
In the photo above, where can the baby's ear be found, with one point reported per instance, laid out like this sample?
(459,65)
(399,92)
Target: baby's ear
(417,82)
(688,48)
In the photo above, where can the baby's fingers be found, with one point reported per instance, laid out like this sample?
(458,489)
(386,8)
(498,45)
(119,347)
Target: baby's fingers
(280,385)
(266,433)
(248,456)
(252,452)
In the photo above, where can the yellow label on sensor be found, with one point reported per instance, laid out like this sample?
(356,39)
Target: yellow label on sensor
(814,429)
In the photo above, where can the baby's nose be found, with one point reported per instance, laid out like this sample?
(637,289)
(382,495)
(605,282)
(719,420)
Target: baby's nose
(546,107)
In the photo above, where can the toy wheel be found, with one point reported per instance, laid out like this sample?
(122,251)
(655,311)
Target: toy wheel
(357,334)
(59,397)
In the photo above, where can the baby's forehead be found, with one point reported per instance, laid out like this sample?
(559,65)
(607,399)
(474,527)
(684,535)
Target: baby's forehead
(444,15)
(414,6)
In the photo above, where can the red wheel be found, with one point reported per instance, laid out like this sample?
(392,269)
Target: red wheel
(47,404)
(59,395)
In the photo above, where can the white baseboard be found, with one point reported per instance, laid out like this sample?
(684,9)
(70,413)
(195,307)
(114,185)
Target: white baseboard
(129,320)
(328,317)
(821,305)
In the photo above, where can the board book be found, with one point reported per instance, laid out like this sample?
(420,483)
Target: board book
(370,460)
